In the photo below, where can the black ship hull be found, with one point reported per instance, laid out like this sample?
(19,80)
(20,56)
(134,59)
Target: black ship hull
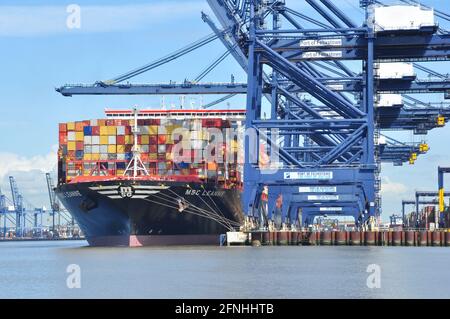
(122,213)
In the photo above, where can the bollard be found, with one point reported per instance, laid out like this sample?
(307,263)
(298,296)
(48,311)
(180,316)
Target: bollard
(282,238)
(423,238)
(293,239)
(266,240)
(355,238)
(273,236)
(409,238)
(396,238)
(289,237)
(341,238)
(447,238)
(312,238)
(369,238)
(436,238)
(325,238)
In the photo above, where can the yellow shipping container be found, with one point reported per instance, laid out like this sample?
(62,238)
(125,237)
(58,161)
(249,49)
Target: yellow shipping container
(129,139)
(104,140)
(71,126)
(145,139)
(111,130)
(79,136)
(112,149)
(169,139)
(120,172)
(152,156)
(95,157)
(153,130)
(120,149)
(87,157)
(86,172)
(71,146)
(103,130)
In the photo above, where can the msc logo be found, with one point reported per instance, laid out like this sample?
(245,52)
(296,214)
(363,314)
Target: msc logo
(126,191)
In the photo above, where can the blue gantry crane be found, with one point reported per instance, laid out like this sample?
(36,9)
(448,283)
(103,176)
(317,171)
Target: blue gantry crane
(326,121)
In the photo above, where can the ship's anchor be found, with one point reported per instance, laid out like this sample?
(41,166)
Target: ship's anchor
(182,205)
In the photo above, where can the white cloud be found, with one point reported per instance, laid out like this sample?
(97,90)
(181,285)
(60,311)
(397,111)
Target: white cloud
(10,162)
(390,188)
(29,173)
(51,20)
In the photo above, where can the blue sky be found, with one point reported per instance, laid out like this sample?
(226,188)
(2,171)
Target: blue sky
(40,53)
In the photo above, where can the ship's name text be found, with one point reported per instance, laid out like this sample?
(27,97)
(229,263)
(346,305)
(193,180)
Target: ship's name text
(198,192)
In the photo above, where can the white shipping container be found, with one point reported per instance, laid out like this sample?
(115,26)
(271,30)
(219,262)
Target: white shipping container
(111,140)
(96,140)
(95,149)
(88,140)
(94,122)
(71,136)
(103,149)
(121,157)
(389,100)
(395,70)
(121,130)
(400,17)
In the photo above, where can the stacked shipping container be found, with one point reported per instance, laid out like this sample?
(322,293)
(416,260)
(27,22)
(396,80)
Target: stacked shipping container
(104,148)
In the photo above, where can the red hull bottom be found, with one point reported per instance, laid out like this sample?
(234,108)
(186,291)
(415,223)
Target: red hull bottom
(159,240)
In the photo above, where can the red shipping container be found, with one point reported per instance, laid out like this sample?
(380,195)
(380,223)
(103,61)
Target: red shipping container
(120,140)
(153,139)
(212,123)
(128,148)
(144,157)
(127,130)
(80,146)
(161,157)
(154,122)
(139,140)
(162,139)
(62,138)
(141,122)
(96,130)
(110,123)
(86,123)
(62,127)
(153,148)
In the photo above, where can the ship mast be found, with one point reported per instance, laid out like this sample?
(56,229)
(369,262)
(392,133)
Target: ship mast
(135,165)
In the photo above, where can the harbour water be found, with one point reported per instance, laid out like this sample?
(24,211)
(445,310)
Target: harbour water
(39,270)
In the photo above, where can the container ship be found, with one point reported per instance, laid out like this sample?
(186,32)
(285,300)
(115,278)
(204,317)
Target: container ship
(153,177)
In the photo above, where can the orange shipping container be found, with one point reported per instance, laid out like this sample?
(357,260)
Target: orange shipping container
(161,139)
(79,126)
